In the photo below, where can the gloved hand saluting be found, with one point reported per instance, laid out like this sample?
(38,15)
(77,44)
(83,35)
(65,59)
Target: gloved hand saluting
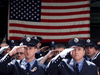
(14,50)
(3,48)
(65,52)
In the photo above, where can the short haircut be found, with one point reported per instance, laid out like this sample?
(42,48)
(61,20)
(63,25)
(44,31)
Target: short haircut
(59,46)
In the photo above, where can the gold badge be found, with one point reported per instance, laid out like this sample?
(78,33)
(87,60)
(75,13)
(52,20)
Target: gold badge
(34,69)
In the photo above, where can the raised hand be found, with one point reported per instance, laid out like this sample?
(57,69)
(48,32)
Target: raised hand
(15,49)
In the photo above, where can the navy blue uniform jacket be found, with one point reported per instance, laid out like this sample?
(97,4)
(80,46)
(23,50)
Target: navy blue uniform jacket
(60,67)
(15,69)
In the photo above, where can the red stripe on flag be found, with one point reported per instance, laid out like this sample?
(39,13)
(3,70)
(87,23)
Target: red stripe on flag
(62,1)
(48,27)
(49,40)
(65,20)
(64,7)
(49,34)
(64,14)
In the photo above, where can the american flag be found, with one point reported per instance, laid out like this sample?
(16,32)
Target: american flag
(53,20)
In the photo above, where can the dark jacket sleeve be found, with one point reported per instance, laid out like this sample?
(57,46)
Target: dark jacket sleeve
(4,67)
(52,68)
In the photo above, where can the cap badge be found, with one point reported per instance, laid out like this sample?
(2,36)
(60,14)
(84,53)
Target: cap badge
(12,41)
(35,37)
(88,40)
(76,40)
(28,39)
(52,42)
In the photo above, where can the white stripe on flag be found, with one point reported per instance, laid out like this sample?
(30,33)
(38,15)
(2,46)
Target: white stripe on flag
(50,24)
(65,4)
(52,37)
(66,17)
(64,10)
(50,30)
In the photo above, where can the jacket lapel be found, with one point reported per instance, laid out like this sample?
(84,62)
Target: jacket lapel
(84,68)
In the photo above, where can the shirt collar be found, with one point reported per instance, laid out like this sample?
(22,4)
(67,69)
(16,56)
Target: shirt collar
(89,58)
(31,63)
(80,63)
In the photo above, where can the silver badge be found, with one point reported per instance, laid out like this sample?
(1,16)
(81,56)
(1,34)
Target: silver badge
(28,39)
(88,41)
(12,41)
(76,40)
(35,37)
(52,42)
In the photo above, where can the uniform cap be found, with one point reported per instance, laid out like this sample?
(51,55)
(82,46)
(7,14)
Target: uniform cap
(28,41)
(90,42)
(37,38)
(52,43)
(13,43)
(77,42)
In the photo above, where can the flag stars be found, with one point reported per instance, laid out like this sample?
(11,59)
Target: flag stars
(27,5)
(32,14)
(24,7)
(37,18)
(32,9)
(38,1)
(21,17)
(38,6)
(35,3)
(25,10)
(32,18)
(24,2)
(37,14)
(21,4)
(24,15)
(32,5)
(37,10)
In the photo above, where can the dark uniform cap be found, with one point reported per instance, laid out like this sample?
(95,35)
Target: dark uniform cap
(90,42)
(77,42)
(37,38)
(29,41)
(13,43)
(52,43)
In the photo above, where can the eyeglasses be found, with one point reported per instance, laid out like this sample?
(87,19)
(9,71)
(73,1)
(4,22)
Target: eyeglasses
(19,53)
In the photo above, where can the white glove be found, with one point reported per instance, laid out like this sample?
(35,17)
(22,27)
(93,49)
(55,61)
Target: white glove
(15,49)
(65,51)
(3,48)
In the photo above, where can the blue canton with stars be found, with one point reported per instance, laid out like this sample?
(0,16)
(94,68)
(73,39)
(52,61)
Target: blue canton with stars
(26,10)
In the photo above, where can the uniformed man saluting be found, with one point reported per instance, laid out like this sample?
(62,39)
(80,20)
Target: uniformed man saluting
(76,65)
(28,66)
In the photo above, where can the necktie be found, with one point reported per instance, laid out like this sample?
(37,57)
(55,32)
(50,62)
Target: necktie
(90,60)
(28,67)
(76,69)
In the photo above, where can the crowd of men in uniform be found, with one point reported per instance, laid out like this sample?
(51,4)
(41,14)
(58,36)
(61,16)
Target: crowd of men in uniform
(26,57)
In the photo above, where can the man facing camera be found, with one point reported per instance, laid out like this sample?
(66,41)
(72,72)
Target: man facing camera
(28,66)
(76,65)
